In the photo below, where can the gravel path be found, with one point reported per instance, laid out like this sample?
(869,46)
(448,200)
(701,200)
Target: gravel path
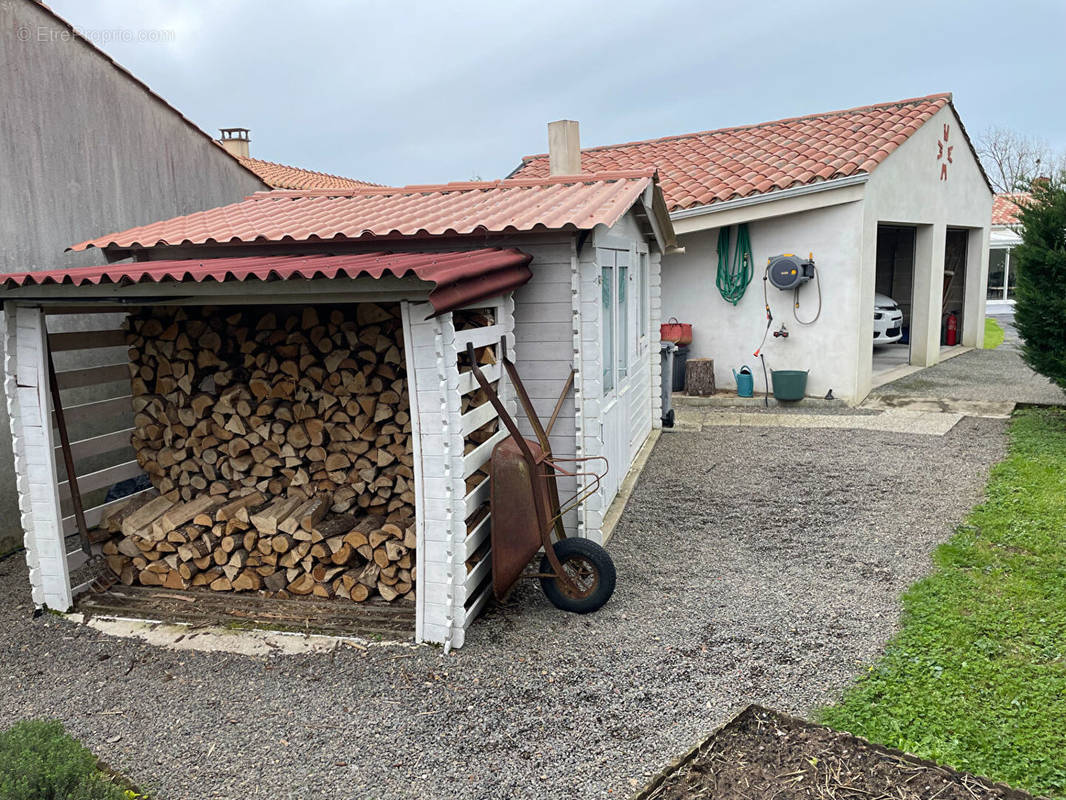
(754,565)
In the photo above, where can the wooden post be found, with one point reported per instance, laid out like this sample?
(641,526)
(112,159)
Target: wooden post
(699,377)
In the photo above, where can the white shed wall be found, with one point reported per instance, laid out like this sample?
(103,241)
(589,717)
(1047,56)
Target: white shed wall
(730,335)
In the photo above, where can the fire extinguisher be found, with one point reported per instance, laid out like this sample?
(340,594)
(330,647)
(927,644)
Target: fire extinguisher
(953,330)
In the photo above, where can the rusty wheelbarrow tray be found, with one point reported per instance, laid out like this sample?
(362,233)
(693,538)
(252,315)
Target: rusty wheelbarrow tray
(576,574)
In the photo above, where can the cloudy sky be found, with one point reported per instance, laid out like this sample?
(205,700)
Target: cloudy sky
(420,91)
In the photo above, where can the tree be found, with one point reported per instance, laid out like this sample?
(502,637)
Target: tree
(1040,261)
(1013,159)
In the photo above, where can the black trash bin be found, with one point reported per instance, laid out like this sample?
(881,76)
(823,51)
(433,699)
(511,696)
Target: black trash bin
(680,357)
(666,354)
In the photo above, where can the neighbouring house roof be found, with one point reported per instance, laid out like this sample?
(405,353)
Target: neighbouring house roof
(524,204)
(699,169)
(282,176)
(461,277)
(1005,207)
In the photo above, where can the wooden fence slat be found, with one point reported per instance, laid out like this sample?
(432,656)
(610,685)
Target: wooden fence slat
(91,376)
(478,535)
(98,409)
(476,458)
(476,417)
(98,445)
(102,477)
(86,340)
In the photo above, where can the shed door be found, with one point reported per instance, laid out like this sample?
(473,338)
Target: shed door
(616,316)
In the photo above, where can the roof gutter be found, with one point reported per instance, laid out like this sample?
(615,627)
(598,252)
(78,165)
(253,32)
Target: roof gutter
(771,197)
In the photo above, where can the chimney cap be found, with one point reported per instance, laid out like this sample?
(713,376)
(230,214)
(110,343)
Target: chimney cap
(235,133)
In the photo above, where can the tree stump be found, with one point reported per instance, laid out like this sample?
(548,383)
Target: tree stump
(699,377)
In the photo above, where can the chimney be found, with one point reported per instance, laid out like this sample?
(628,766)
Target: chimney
(235,140)
(564,148)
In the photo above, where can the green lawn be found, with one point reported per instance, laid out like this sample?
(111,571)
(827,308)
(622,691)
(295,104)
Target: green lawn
(993,334)
(976,678)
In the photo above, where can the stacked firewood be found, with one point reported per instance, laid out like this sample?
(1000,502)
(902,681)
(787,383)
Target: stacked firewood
(291,545)
(280,446)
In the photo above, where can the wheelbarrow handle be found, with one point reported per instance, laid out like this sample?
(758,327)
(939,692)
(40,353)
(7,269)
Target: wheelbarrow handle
(497,403)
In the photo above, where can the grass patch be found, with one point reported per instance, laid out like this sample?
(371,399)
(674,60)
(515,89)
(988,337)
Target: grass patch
(976,677)
(993,334)
(40,761)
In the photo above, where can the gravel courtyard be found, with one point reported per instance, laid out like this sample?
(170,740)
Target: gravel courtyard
(754,564)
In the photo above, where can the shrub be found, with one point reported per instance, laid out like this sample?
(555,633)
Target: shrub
(1040,260)
(39,761)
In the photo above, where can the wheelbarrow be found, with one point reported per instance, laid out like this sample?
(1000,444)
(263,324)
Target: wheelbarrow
(576,574)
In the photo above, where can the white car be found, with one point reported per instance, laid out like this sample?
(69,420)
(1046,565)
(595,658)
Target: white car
(888,320)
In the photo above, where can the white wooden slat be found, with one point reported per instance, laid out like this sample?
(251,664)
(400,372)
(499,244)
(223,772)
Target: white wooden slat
(97,445)
(100,409)
(75,559)
(91,376)
(479,604)
(476,417)
(103,477)
(479,337)
(468,383)
(477,574)
(86,340)
(476,458)
(477,536)
(94,515)
(477,497)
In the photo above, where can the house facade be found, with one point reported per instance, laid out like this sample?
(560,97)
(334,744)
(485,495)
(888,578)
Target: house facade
(1003,238)
(888,200)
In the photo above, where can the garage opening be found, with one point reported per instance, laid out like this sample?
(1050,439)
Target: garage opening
(951,316)
(894,285)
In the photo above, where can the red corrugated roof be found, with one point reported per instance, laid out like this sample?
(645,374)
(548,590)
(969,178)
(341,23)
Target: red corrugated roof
(282,176)
(461,278)
(1005,207)
(525,204)
(699,169)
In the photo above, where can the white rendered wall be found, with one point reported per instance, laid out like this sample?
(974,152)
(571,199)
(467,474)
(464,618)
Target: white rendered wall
(907,189)
(829,348)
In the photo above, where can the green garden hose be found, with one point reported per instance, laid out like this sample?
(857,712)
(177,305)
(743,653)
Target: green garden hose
(733,279)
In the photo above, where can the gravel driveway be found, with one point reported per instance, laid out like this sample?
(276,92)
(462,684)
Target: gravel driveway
(754,564)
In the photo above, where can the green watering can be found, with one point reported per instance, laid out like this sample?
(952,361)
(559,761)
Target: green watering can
(745,382)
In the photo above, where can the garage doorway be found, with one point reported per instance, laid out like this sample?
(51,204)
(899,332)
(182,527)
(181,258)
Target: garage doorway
(893,284)
(955,246)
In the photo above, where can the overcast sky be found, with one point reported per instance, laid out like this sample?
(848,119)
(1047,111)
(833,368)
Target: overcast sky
(420,91)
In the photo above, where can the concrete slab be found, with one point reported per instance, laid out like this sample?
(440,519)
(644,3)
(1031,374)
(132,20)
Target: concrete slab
(927,423)
(990,409)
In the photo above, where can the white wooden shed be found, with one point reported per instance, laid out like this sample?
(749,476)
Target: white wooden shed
(588,301)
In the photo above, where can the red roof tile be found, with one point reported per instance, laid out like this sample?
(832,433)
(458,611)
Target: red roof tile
(461,277)
(524,204)
(282,176)
(698,169)
(1005,208)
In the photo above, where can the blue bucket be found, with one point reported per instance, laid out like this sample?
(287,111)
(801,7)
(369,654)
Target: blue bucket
(745,382)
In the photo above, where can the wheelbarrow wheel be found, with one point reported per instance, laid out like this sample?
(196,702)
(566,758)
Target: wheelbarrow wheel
(589,566)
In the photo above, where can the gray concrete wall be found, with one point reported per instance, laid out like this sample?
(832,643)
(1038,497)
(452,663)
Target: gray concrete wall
(86,149)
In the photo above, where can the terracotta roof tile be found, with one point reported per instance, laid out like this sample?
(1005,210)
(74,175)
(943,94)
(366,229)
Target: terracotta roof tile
(712,166)
(282,176)
(523,204)
(1005,207)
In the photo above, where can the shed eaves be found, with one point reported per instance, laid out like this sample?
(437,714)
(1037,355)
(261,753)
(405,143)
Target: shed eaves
(461,277)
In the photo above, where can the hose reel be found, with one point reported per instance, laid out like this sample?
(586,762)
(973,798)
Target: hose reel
(788,271)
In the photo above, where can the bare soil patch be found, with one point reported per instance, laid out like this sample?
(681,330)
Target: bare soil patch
(761,753)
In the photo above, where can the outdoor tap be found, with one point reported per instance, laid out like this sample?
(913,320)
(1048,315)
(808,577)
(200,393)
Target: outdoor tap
(782,333)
